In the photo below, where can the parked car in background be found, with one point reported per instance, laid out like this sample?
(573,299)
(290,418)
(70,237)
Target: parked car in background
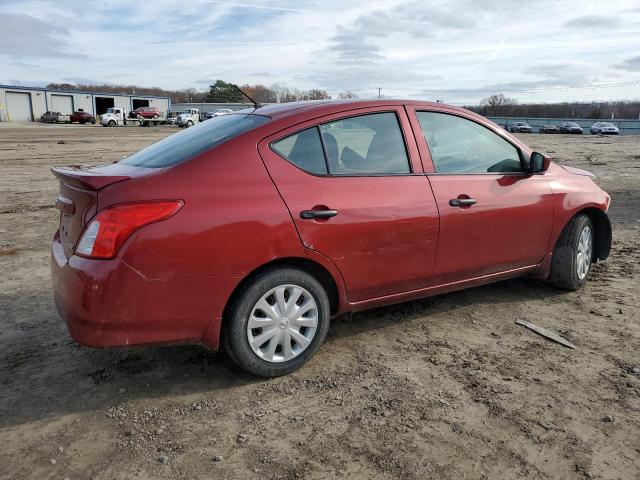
(171,120)
(51,117)
(519,127)
(570,127)
(217,113)
(604,128)
(82,117)
(253,229)
(145,112)
(548,129)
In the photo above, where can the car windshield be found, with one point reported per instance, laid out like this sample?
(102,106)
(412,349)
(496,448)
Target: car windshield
(182,146)
(572,124)
(110,110)
(606,124)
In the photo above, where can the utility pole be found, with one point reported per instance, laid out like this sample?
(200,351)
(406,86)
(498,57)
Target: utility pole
(379,90)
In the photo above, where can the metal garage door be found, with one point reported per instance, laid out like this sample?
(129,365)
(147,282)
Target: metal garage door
(19,107)
(62,104)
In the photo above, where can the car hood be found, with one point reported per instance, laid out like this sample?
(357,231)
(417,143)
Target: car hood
(577,171)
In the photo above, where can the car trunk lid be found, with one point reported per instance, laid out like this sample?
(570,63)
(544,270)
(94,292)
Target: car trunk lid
(78,196)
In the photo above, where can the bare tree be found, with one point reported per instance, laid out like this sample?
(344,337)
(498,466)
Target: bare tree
(498,105)
(347,94)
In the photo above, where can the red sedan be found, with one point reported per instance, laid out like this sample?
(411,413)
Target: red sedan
(253,229)
(82,117)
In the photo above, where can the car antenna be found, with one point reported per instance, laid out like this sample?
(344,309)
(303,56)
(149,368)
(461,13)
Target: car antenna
(256,105)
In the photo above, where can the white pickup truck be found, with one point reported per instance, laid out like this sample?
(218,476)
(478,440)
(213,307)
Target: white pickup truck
(188,118)
(118,116)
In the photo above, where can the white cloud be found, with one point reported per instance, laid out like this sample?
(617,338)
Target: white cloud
(456,50)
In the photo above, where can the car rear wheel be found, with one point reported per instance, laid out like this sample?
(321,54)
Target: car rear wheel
(573,255)
(277,322)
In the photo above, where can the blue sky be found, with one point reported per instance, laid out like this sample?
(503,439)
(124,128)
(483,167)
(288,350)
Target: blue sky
(458,51)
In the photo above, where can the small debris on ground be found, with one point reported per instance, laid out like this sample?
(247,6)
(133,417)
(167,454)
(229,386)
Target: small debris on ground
(545,332)
(607,419)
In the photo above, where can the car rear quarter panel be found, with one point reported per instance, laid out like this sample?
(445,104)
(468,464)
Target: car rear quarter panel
(233,221)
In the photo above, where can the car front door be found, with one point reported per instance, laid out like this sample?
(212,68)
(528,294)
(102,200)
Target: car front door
(354,186)
(494,216)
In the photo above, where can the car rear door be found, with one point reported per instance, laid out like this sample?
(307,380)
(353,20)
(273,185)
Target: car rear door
(494,215)
(354,186)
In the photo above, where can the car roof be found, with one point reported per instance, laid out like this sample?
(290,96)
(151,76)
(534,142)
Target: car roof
(324,107)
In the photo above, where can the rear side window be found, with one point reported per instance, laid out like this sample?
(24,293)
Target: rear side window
(363,145)
(303,149)
(458,145)
(368,144)
(187,144)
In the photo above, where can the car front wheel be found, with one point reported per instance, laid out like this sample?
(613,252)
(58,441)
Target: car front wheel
(277,322)
(573,255)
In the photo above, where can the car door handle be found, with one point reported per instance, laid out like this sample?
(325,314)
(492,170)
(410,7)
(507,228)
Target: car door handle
(313,214)
(462,202)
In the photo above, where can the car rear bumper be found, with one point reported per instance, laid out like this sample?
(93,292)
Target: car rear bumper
(106,303)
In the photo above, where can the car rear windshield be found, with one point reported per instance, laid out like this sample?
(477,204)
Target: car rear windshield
(194,140)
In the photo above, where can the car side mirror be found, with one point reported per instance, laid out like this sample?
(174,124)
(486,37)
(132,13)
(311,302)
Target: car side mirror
(539,163)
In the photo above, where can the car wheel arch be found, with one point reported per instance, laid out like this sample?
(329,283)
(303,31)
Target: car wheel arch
(602,226)
(312,267)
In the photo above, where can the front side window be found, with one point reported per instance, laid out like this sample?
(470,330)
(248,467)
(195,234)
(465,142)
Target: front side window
(195,140)
(364,145)
(458,145)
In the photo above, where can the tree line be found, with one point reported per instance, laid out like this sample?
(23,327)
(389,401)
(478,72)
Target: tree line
(218,92)
(502,106)
(493,106)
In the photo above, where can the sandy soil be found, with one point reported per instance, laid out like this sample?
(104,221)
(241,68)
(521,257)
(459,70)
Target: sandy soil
(448,387)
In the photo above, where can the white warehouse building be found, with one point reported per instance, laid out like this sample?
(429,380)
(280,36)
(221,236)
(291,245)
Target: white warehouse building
(27,104)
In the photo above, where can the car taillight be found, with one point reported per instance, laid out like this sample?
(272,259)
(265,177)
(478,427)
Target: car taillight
(110,228)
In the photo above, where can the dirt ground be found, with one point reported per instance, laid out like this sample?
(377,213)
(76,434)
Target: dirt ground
(447,387)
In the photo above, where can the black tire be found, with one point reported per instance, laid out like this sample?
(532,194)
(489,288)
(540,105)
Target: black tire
(564,263)
(234,334)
